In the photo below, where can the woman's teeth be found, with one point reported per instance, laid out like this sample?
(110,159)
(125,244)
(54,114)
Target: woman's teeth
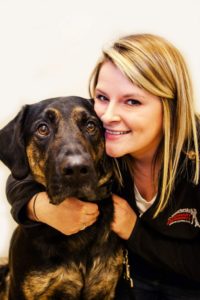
(116,132)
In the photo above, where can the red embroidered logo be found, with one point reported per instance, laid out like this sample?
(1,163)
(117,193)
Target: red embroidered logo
(184,215)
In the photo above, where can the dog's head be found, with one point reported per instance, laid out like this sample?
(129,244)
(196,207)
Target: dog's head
(61,142)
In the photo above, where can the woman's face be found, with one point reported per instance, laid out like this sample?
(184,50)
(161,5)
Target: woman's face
(131,116)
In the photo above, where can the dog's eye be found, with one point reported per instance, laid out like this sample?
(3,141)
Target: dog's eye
(43,129)
(91,127)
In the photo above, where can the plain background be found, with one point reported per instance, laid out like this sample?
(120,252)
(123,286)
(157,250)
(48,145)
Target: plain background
(49,47)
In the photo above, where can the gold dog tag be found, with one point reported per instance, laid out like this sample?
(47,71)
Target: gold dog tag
(127,274)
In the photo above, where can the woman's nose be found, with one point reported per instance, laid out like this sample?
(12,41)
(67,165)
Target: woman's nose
(111,114)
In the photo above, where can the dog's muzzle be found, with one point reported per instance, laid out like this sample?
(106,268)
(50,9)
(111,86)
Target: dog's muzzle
(73,176)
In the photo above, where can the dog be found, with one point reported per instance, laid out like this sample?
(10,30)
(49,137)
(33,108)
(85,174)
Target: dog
(60,141)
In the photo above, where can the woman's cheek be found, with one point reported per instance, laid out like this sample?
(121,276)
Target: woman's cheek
(98,109)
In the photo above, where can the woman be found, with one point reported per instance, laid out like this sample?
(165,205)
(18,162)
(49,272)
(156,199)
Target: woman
(143,95)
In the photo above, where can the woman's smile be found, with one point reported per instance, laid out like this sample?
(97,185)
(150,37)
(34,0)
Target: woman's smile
(110,133)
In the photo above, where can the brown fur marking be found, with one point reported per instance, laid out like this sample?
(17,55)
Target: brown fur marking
(41,286)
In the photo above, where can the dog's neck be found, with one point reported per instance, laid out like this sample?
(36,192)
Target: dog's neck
(105,186)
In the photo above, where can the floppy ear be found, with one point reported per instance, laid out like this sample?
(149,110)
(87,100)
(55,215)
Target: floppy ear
(12,146)
(91,100)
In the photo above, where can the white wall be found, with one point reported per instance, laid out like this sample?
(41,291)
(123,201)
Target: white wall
(49,47)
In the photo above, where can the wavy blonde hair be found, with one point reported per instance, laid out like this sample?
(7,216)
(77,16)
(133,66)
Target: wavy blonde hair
(154,64)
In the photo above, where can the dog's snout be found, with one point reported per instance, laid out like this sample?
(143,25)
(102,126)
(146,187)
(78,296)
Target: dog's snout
(75,166)
(79,170)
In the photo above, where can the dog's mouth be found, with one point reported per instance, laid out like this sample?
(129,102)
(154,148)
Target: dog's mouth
(94,191)
(60,191)
(85,194)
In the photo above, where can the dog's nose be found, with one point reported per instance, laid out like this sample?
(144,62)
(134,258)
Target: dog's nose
(76,167)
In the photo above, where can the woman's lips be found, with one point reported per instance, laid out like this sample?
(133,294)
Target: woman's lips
(113,134)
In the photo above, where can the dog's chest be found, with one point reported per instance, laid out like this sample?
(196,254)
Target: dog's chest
(75,281)
(88,267)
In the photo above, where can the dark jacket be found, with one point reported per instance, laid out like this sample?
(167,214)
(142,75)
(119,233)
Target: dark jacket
(166,249)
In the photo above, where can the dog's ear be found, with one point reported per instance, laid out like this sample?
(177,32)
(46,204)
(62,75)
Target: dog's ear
(12,145)
(91,101)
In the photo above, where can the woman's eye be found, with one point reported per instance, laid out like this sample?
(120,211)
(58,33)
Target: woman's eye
(43,129)
(133,102)
(101,97)
(91,127)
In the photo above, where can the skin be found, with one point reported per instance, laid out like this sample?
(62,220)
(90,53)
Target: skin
(69,217)
(132,118)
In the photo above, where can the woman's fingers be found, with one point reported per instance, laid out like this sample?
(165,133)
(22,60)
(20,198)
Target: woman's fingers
(89,208)
(79,215)
(69,217)
(124,218)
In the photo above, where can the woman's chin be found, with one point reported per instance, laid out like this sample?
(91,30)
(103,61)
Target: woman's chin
(114,152)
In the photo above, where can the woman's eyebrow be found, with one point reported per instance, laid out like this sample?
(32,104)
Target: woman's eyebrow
(133,96)
(99,90)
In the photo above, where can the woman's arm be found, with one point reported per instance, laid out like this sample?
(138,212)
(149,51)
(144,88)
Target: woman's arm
(69,217)
(19,193)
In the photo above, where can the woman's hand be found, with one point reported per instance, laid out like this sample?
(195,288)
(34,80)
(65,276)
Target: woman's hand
(69,217)
(124,218)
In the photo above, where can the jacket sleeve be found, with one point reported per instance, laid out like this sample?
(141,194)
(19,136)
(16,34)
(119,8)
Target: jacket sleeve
(180,256)
(19,193)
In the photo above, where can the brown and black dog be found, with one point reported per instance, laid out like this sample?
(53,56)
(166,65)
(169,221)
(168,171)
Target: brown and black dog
(60,142)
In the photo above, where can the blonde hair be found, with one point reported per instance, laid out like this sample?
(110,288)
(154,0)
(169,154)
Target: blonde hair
(154,64)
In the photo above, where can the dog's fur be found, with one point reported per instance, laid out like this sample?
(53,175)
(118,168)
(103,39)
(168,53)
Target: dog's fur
(60,142)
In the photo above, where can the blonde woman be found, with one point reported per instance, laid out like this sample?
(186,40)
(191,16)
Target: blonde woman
(143,95)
